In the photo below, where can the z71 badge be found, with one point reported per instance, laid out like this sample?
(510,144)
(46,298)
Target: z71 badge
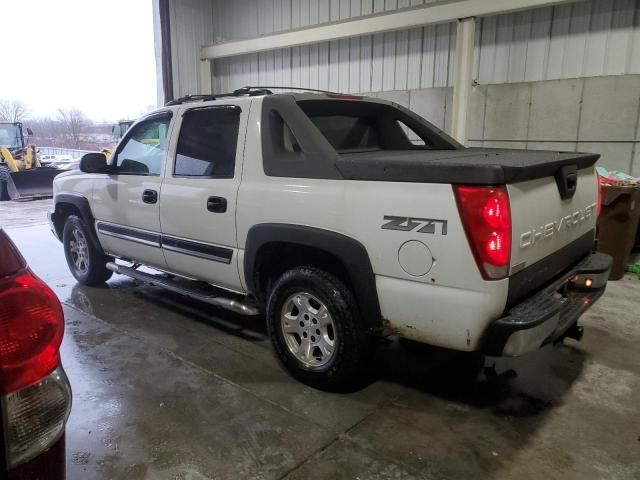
(407,224)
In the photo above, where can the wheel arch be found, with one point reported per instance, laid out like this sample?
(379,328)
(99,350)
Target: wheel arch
(66,204)
(337,253)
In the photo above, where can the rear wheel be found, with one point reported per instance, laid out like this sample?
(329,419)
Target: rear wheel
(316,329)
(86,262)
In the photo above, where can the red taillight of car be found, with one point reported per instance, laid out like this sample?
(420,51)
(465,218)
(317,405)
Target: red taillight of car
(35,395)
(486,216)
(599,201)
(31,329)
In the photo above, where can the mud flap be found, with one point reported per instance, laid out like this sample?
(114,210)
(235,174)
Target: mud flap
(30,183)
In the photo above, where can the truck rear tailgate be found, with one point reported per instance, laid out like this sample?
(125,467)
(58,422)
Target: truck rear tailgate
(549,233)
(552,195)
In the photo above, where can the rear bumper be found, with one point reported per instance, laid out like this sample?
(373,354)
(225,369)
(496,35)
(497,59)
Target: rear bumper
(546,316)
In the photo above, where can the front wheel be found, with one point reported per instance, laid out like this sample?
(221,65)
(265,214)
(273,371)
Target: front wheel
(316,329)
(86,262)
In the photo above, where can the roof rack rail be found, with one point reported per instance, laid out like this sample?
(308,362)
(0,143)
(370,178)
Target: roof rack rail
(268,89)
(248,91)
(190,98)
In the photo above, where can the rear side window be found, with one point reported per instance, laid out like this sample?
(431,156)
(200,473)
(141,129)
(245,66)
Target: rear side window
(207,142)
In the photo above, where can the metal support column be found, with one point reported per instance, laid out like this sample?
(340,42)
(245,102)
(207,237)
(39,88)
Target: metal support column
(204,82)
(462,83)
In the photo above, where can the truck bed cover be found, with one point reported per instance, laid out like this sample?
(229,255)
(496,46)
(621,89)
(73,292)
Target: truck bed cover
(464,166)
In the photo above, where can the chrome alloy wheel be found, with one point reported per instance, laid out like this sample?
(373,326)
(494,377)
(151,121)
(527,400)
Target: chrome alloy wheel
(79,251)
(308,329)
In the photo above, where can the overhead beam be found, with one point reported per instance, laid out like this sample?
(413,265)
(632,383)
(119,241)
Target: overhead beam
(429,14)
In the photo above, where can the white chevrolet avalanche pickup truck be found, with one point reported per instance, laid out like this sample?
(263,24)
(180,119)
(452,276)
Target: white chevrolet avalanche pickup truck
(341,219)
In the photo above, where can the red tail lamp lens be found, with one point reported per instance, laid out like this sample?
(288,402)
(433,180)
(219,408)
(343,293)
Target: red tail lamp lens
(31,329)
(486,216)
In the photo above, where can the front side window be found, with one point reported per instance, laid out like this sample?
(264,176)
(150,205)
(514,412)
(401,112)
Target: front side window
(144,149)
(207,142)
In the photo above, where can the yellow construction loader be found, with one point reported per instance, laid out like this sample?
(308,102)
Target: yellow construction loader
(121,128)
(21,175)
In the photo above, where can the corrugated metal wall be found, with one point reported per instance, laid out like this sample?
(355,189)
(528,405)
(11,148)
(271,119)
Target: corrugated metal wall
(585,38)
(417,58)
(192,27)
(580,39)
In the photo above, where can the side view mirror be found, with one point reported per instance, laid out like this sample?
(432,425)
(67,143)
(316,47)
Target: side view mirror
(93,163)
(29,132)
(113,129)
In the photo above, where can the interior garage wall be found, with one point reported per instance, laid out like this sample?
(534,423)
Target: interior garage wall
(191,23)
(416,58)
(562,77)
(594,114)
(584,38)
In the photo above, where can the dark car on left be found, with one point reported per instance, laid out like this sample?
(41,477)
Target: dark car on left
(35,395)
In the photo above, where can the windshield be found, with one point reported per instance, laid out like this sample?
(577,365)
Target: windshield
(10,136)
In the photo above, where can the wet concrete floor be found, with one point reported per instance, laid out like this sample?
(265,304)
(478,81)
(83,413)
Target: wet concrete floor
(167,388)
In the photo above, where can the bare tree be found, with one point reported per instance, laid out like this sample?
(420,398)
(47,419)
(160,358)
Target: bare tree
(13,110)
(73,123)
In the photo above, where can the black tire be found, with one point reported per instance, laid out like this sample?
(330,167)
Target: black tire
(92,270)
(353,344)
(5,178)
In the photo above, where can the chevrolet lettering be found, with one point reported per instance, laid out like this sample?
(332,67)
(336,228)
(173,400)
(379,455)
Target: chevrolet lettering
(550,229)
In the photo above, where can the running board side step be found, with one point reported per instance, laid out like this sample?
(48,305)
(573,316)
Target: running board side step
(197,291)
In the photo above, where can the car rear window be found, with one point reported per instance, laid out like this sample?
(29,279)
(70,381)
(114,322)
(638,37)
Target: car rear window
(10,260)
(366,126)
(349,133)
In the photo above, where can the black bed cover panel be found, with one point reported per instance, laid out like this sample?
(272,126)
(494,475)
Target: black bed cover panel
(482,166)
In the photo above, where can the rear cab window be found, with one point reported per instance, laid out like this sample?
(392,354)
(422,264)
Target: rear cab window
(356,126)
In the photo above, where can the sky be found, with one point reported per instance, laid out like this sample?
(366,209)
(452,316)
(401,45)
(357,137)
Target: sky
(94,55)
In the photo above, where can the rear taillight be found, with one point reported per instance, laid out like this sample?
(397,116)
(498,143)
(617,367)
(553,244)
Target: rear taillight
(599,201)
(35,396)
(486,216)
(31,329)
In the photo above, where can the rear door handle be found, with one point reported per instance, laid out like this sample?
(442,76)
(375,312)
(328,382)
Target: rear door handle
(217,204)
(150,196)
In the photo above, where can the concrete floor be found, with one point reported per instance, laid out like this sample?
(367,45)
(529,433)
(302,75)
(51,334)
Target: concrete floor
(166,388)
